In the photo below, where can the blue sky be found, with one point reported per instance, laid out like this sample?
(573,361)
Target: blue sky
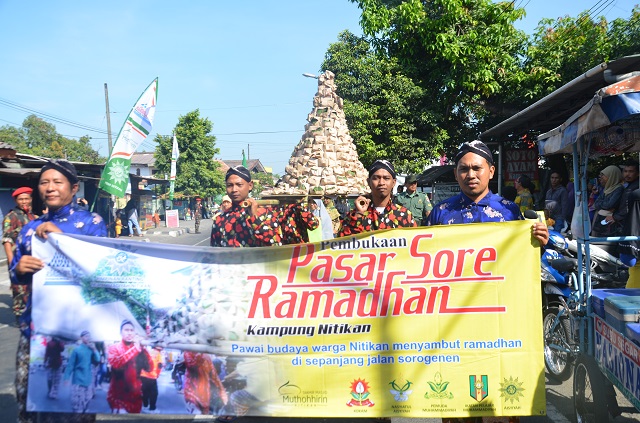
(239,62)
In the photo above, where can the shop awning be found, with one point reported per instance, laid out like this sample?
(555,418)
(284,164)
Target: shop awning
(610,122)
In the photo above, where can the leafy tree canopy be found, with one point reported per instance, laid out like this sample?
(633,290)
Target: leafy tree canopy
(429,75)
(40,138)
(197,172)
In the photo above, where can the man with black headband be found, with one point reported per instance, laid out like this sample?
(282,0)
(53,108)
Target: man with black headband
(379,211)
(57,187)
(476,203)
(246,224)
(240,225)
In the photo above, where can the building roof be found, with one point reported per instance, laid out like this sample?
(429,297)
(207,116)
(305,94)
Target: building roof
(143,159)
(254,165)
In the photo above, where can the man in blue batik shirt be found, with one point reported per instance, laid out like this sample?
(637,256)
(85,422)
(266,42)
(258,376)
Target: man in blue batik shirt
(476,203)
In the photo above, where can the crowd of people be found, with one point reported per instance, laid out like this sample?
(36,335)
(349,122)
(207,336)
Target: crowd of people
(242,222)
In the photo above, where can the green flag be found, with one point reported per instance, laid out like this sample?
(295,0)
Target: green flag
(135,130)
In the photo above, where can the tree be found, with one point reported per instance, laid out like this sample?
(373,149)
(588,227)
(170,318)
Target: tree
(197,172)
(431,74)
(40,138)
(560,50)
(449,56)
(384,108)
(261,181)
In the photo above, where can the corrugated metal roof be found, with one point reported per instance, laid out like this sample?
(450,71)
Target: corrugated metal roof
(143,159)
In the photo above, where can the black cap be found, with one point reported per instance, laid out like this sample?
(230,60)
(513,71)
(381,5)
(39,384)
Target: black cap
(476,147)
(62,166)
(382,164)
(411,179)
(239,170)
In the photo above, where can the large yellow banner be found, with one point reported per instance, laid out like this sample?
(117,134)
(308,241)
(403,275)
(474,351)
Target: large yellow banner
(423,322)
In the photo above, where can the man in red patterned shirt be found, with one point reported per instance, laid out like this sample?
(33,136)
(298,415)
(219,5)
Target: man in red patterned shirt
(379,211)
(127,359)
(246,224)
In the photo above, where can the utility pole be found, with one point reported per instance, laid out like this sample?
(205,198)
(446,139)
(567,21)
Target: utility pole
(248,153)
(106,99)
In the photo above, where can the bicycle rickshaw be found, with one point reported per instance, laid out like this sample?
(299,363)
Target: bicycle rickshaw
(595,115)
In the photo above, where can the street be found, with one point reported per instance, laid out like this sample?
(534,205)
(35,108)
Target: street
(559,400)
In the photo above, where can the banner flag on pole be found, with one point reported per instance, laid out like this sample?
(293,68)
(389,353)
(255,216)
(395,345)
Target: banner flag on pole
(175,154)
(134,131)
(244,159)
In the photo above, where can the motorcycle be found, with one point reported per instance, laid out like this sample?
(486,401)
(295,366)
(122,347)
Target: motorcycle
(559,273)
(607,270)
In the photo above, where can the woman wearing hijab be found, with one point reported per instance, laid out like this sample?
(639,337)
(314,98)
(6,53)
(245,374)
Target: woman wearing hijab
(607,202)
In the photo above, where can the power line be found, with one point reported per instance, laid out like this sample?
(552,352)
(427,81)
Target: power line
(259,132)
(46,116)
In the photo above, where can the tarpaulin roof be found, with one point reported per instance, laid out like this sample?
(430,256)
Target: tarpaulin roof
(436,174)
(552,110)
(610,122)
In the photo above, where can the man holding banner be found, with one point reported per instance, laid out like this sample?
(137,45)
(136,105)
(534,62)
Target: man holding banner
(246,224)
(379,211)
(57,188)
(476,203)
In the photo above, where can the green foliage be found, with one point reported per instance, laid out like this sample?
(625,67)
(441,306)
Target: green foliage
(40,138)
(261,181)
(429,75)
(384,108)
(197,172)
(433,65)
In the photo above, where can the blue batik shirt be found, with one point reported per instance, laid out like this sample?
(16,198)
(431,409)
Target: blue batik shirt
(461,209)
(70,220)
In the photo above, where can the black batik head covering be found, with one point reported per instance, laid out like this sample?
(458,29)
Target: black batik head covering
(239,170)
(382,164)
(62,166)
(477,147)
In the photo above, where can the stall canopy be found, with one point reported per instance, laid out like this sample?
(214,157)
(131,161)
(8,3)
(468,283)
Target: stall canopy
(610,123)
(553,110)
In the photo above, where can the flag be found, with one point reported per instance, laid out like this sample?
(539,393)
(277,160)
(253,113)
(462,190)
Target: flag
(136,128)
(244,159)
(175,153)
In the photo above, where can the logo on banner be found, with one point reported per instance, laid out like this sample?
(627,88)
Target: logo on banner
(292,394)
(120,271)
(479,387)
(511,389)
(360,394)
(400,390)
(438,388)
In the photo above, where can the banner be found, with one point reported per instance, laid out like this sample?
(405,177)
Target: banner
(134,131)
(175,154)
(416,322)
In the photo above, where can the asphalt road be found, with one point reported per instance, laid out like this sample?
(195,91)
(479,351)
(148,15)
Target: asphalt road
(559,399)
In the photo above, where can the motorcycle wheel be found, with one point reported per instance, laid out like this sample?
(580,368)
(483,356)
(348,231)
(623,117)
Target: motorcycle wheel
(589,395)
(557,362)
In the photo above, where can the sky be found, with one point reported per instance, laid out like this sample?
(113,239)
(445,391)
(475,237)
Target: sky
(239,62)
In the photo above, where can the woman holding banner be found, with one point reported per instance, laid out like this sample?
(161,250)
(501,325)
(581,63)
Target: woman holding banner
(58,185)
